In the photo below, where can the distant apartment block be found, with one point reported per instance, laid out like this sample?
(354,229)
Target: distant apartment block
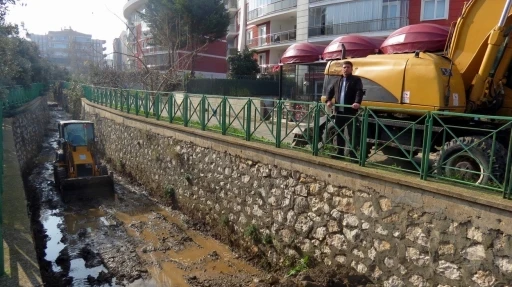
(121,52)
(70,49)
(210,63)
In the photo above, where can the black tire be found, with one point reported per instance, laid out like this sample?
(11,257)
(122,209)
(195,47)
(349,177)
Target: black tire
(103,170)
(56,176)
(60,175)
(59,157)
(476,158)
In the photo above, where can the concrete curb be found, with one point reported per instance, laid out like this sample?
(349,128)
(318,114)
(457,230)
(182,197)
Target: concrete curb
(21,265)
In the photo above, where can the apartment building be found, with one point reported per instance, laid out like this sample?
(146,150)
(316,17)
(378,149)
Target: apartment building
(211,63)
(121,52)
(271,26)
(274,25)
(70,49)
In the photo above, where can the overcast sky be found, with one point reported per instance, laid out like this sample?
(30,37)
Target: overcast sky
(95,17)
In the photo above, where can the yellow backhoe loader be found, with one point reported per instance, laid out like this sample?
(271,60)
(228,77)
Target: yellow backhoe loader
(77,171)
(473,77)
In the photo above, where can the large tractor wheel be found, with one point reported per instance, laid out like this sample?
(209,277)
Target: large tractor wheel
(103,170)
(472,164)
(59,174)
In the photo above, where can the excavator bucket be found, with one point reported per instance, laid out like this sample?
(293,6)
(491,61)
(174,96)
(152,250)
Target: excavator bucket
(92,187)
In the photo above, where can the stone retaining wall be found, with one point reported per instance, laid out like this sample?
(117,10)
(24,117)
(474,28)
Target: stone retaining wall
(291,205)
(29,127)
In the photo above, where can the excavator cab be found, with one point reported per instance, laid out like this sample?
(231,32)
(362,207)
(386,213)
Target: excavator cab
(77,171)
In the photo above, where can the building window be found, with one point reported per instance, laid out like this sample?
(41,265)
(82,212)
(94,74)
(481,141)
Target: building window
(434,9)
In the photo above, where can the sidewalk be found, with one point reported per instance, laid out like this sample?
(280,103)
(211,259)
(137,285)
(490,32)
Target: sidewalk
(21,266)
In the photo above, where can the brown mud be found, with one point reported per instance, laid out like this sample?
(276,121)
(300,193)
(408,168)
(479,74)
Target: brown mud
(134,241)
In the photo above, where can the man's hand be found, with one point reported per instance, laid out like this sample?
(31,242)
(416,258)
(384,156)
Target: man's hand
(356,106)
(329,104)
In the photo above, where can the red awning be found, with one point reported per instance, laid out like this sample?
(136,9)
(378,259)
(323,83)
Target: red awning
(424,37)
(302,53)
(356,46)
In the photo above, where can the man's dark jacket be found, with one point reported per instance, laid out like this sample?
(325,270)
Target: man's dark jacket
(353,93)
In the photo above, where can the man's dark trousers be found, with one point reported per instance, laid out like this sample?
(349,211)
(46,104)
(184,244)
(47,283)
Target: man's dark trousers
(347,118)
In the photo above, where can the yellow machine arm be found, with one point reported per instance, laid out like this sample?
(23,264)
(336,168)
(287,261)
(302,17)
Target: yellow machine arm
(475,49)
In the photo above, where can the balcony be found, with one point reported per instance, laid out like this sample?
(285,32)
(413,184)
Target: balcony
(232,52)
(358,27)
(275,7)
(231,5)
(232,29)
(154,50)
(273,39)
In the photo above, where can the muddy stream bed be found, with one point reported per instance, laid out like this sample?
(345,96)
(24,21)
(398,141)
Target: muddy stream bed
(129,241)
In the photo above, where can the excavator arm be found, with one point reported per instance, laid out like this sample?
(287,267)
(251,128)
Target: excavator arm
(479,49)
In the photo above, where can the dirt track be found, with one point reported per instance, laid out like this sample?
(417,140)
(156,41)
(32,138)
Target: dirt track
(132,240)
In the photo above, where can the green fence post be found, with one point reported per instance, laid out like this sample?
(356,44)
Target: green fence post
(121,100)
(316,128)
(203,113)
(427,139)
(279,123)
(170,107)
(508,174)
(2,265)
(224,117)
(128,101)
(146,104)
(110,98)
(185,110)
(363,143)
(248,120)
(137,103)
(116,99)
(156,106)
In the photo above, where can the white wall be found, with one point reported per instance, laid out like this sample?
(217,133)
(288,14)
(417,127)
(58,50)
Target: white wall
(276,54)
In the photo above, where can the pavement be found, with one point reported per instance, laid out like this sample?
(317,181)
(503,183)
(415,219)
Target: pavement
(21,266)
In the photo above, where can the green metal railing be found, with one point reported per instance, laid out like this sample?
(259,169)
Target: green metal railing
(2,264)
(18,95)
(431,145)
(13,98)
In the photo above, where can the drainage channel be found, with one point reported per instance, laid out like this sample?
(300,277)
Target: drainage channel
(129,241)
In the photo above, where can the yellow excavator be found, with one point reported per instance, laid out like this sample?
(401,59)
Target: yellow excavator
(473,76)
(77,171)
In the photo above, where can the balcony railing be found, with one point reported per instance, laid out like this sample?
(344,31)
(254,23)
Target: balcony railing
(274,7)
(273,39)
(358,27)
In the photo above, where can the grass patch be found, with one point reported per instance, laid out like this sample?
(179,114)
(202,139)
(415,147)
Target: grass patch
(302,265)
(169,192)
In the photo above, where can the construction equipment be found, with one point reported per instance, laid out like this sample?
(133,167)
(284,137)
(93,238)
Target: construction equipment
(472,76)
(77,171)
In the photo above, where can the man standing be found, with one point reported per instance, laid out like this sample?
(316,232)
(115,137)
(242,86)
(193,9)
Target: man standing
(348,90)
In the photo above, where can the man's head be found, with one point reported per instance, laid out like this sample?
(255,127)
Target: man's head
(347,68)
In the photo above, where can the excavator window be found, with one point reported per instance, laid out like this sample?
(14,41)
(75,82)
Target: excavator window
(79,134)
